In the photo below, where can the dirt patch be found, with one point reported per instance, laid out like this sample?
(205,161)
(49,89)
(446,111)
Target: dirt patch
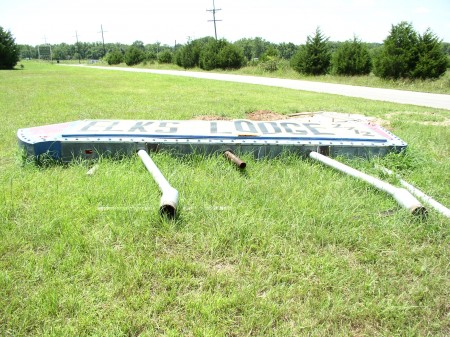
(316,116)
(265,115)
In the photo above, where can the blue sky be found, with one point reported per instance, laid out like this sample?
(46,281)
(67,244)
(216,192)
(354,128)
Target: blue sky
(166,21)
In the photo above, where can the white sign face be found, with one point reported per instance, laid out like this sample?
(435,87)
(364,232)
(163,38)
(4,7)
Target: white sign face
(284,129)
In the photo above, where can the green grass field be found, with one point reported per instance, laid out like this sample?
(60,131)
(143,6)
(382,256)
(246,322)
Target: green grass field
(288,248)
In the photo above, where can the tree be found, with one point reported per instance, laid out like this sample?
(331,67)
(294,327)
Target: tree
(220,54)
(314,57)
(114,57)
(138,44)
(61,51)
(9,51)
(400,54)
(188,56)
(165,56)
(252,48)
(134,55)
(209,52)
(230,57)
(287,50)
(406,54)
(352,58)
(432,62)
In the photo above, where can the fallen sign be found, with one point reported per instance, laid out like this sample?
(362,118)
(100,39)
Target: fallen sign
(90,139)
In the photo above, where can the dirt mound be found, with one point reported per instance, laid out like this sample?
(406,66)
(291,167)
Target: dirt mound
(211,118)
(265,115)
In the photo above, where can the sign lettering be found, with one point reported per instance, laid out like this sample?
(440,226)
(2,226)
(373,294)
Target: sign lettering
(225,128)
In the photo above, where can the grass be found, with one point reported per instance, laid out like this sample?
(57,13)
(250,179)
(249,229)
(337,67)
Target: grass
(288,248)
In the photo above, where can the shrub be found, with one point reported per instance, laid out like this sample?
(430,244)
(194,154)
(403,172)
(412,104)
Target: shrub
(114,57)
(230,57)
(269,66)
(399,54)
(352,58)
(188,56)
(209,54)
(406,54)
(221,54)
(314,57)
(9,51)
(432,62)
(133,56)
(165,56)
(271,54)
(151,56)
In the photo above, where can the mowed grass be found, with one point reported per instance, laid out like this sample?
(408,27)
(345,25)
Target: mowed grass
(287,248)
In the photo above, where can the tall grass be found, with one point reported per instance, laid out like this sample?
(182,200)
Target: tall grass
(286,248)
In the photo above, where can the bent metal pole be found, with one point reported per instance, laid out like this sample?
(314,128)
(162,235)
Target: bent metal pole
(169,198)
(401,195)
(418,193)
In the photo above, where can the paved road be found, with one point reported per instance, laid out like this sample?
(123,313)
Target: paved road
(439,101)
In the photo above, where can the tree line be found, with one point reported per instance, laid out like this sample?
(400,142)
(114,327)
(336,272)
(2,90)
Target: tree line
(404,54)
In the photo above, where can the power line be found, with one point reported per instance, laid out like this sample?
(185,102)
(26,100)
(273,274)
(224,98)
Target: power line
(214,10)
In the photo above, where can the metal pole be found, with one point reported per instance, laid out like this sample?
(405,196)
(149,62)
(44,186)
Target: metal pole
(401,195)
(235,159)
(418,193)
(169,198)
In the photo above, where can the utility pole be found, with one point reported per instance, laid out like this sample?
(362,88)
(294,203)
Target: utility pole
(103,40)
(214,10)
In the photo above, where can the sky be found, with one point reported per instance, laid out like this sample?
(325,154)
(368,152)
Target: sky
(37,22)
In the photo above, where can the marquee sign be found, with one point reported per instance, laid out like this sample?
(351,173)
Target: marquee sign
(91,138)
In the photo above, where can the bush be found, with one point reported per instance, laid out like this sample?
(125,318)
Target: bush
(165,56)
(221,54)
(209,54)
(151,56)
(269,66)
(114,57)
(230,57)
(399,55)
(133,56)
(406,54)
(314,57)
(188,56)
(432,61)
(9,51)
(352,58)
